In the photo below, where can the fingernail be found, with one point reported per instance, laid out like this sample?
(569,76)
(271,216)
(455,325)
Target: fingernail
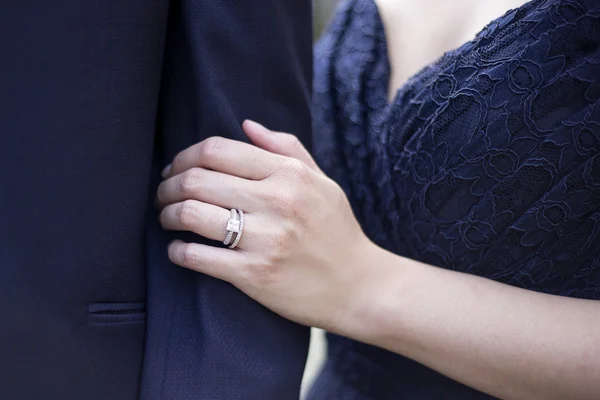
(165,172)
(173,256)
(255,125)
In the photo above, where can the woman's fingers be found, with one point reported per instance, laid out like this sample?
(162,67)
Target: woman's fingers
(207,220)
(204,219)
(228,156)
(208,187)
(217,262)
(281,143)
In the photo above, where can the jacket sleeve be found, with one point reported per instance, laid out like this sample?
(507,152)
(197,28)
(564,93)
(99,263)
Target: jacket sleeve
(225,61)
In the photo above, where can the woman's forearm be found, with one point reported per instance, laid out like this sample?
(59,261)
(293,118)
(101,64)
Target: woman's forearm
(511,343)
(304,256)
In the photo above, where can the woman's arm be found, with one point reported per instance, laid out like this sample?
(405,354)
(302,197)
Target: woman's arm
(303,255)
(509,342)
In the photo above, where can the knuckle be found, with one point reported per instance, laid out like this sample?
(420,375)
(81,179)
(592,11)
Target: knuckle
(294,166)
(292,141)
(282,201)
(298,170)
(189,180)
(188,255)
(188,213)
(283,241)
(263,273)
(211,147)
(289,202)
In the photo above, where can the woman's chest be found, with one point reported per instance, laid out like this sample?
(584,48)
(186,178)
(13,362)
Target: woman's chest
(419,32)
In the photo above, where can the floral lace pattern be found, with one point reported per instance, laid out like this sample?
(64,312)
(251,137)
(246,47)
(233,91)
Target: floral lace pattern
(486,162)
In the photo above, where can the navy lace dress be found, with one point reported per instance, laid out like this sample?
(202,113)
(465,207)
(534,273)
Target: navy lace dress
(486,162)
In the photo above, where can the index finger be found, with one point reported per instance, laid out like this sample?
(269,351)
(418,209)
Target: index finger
(227,156)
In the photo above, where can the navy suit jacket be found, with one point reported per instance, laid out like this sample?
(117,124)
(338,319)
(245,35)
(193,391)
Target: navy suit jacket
(95,98)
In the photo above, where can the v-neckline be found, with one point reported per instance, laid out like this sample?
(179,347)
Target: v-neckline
(386,57)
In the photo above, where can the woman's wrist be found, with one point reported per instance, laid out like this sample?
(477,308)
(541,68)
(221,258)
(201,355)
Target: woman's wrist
(374,296)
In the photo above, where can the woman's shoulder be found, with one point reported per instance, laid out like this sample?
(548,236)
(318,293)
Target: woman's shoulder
(529,77)
(351,73)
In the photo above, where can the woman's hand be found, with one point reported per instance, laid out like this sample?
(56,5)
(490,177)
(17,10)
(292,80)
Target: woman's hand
(303,255)
(302,252)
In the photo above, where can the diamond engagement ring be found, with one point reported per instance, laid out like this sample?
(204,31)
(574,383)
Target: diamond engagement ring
(232,219)
(235,227)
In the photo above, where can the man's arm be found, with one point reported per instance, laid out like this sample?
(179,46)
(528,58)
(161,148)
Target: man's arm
(225,61)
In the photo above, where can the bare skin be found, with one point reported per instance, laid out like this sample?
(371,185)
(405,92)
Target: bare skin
(303,255)
(439,25)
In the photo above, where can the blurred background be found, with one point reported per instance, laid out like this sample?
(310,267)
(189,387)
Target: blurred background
(323,11)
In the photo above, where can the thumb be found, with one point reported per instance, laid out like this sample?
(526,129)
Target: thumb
(284,144)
